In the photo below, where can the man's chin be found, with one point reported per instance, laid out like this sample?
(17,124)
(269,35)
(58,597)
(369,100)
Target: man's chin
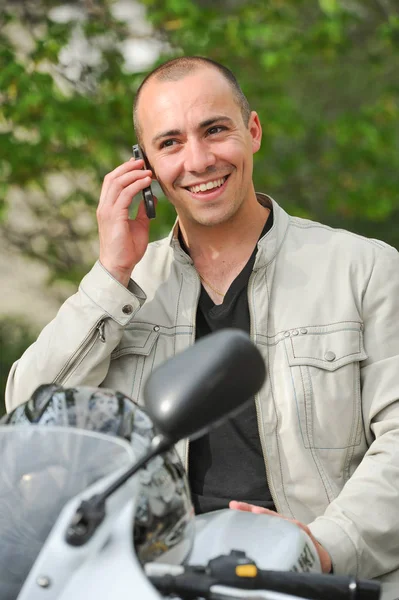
(211,218)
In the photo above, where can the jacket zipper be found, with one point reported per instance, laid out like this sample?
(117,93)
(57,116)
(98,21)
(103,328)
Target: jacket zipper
(186,457)
(258,408)
(193,342)
(96,332)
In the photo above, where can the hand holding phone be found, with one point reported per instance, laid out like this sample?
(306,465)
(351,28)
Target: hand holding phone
(123,240)
(148,197)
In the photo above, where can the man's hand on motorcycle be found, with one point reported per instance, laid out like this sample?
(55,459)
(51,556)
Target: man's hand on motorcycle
(123,241)
(324,557)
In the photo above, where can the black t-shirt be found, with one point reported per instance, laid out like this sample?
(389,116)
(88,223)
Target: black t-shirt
(227,463)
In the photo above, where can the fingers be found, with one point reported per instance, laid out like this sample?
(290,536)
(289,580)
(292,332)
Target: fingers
(121,170)
(325,559)
(123,241)
(234,505)
(245,506)
(125,167)
(123,176)
(135,181)
(125,197)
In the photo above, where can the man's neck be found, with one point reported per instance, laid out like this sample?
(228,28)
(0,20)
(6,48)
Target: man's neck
(221,252)
(229,242)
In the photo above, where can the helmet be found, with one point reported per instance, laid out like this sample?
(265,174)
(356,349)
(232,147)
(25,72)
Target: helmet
(164,515)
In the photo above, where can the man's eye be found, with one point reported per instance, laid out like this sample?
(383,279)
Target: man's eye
(216,129)
(167,143)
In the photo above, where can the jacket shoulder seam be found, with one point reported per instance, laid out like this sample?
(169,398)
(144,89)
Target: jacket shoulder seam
(314,225)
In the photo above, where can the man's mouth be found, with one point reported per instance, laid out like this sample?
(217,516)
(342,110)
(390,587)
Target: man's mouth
(205,187)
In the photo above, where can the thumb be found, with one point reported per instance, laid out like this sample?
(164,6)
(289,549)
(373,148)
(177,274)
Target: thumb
(141,213)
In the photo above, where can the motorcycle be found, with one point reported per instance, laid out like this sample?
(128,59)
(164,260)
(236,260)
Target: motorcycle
(101,509)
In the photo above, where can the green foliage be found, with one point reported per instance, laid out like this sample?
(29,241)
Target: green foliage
(15,336)
(322,76)
(51,123)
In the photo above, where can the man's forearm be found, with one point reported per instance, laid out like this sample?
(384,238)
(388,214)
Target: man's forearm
(75,348)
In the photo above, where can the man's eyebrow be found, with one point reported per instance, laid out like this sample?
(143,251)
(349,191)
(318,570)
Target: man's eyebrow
(202,125)
(213,120)
(164,134)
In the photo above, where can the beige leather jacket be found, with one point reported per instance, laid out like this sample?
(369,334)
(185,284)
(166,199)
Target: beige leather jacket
(324,308)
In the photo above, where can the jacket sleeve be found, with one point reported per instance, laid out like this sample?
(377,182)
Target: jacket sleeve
(75,348)
(360,528)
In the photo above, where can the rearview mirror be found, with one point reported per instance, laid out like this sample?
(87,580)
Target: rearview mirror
(197,388)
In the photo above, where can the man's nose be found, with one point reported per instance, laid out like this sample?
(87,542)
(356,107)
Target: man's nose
(198,156)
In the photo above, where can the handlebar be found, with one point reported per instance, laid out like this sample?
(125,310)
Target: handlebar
(301,585)
(238,571)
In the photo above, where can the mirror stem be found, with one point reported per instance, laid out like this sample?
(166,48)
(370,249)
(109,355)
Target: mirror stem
(91,512)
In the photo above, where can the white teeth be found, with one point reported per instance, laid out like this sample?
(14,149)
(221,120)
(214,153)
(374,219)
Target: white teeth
(203,187)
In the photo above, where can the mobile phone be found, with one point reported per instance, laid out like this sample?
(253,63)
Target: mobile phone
(149,201)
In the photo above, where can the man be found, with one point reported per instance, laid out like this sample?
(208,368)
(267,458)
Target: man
(320,442)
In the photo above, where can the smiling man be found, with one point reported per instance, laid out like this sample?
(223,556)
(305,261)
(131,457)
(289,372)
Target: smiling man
(319,443)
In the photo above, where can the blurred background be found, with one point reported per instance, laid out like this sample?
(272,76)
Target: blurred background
(322,74)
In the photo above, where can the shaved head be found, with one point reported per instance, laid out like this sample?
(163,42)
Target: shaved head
(178,68)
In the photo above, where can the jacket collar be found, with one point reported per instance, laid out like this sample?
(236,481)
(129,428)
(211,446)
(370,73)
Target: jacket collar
(268,245)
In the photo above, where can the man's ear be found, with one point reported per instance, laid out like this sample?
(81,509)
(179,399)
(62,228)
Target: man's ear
(255,130)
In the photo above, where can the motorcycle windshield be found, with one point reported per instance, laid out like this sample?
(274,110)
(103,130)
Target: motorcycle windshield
(41,468)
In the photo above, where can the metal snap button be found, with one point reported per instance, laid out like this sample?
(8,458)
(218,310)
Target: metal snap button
(303,331)
(330,356)
(43,581)
(156,328)
(295,332)
(286,334)
(127,309)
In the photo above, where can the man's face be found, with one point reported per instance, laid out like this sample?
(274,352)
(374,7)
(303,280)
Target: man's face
(194,136)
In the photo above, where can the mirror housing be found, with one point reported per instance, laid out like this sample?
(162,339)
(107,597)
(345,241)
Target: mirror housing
(197,388)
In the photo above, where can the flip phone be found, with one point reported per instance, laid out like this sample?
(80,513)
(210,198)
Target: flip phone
(148,197)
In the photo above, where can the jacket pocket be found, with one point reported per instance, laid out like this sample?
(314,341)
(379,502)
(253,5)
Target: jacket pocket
(133,359)
(325,369)
(137,340)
